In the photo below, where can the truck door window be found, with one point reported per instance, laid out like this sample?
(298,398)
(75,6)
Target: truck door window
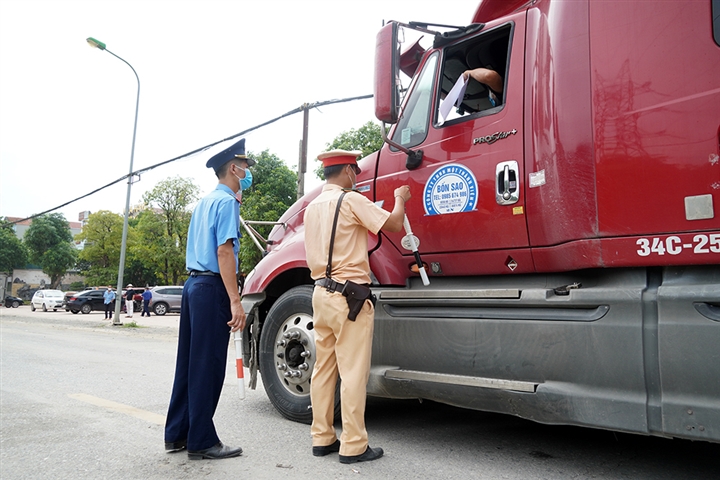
(414,119)
(489,51)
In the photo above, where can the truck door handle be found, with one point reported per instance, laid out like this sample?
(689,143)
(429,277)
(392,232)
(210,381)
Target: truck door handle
(506,183)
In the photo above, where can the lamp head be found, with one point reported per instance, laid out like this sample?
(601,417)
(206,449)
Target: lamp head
(95,43)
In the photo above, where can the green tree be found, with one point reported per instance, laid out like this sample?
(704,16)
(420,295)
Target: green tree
(164,230)
(273,191)
(367,139)
(49,242)
(13,253)
(148,250)
(100,256)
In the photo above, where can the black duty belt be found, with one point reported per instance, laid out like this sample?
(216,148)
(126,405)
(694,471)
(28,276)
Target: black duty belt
(198,273)
(330,284)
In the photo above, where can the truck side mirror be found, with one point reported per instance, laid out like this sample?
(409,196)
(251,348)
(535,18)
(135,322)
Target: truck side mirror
(387,62)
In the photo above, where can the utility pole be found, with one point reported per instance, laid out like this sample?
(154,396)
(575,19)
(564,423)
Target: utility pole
(302,165)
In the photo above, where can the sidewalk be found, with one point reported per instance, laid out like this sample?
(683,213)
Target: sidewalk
(95,318)
(167,320)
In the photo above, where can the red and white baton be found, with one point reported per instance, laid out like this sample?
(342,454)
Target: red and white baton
(414,247)
(239,364)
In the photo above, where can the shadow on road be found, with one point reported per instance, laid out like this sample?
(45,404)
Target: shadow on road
(488,437)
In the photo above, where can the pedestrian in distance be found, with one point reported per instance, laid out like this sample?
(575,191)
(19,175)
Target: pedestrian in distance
(146,297)
(129,301)
(343,333)
(210,310)
(109,301)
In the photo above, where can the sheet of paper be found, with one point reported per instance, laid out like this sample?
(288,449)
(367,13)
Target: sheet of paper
(455,96)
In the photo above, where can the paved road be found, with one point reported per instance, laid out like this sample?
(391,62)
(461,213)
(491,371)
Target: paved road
(83,399)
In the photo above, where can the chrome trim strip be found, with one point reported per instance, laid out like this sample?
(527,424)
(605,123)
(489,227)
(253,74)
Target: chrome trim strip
(427,294)
(533,313)
(462,380)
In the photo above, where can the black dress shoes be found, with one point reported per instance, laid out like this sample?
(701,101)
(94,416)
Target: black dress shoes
(369,455)
(215,452)
(322,451)
(175,446)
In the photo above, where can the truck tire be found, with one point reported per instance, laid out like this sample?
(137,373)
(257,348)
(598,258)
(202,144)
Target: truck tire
(85,309)
(287,355)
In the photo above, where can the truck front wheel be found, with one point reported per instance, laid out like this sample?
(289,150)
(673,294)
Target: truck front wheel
(287,355)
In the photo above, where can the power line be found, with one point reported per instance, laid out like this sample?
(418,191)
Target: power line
(306,106)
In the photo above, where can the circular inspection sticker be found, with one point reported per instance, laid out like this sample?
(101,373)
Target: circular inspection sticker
(450,189)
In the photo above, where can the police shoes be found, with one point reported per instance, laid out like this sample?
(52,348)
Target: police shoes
(370,454)
(326,450)
(215,452)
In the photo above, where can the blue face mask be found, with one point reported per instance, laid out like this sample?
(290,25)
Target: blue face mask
(244,183)
(247,181)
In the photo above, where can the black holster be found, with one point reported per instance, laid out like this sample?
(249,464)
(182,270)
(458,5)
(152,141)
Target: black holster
(356,295)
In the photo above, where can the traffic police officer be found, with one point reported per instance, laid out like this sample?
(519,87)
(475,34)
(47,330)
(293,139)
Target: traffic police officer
(210,303)
(343,346)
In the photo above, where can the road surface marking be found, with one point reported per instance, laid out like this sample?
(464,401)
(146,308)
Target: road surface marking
(149,417)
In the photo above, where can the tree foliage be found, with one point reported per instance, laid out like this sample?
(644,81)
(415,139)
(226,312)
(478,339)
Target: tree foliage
(49,243)
(100,256)
(367,139)
(273,190)
(13,253)
(163,230)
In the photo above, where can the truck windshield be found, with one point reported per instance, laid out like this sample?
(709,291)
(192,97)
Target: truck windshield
(414,119)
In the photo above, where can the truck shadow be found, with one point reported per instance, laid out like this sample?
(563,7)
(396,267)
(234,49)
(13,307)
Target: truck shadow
(467,434)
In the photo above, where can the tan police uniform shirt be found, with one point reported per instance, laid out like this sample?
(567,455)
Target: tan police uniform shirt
(350,253)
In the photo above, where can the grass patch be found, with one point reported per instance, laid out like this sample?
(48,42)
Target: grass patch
(132,325)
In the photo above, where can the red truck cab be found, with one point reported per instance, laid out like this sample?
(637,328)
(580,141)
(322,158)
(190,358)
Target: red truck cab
(570,224)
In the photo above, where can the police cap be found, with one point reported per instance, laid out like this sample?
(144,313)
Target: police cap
(235,151)
(340,157)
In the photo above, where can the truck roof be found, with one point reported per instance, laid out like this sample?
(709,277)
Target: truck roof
(491,9)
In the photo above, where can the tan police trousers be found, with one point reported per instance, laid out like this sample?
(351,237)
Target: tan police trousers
(343,347)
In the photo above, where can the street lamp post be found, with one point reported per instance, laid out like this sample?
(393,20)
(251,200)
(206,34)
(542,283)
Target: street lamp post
(116,320)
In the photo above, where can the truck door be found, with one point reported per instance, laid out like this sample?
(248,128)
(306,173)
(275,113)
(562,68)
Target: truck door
(468,189)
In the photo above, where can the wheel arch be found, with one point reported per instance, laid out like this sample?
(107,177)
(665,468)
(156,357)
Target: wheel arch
(280,284)
(258,304)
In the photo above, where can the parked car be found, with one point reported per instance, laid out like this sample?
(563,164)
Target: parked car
(86,302)
(82,290)
(14,302)
(68,296)
(166,299)
(46,299)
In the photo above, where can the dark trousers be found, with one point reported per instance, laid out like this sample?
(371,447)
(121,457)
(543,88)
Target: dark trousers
(109,309)
(201,359)
(146,308)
